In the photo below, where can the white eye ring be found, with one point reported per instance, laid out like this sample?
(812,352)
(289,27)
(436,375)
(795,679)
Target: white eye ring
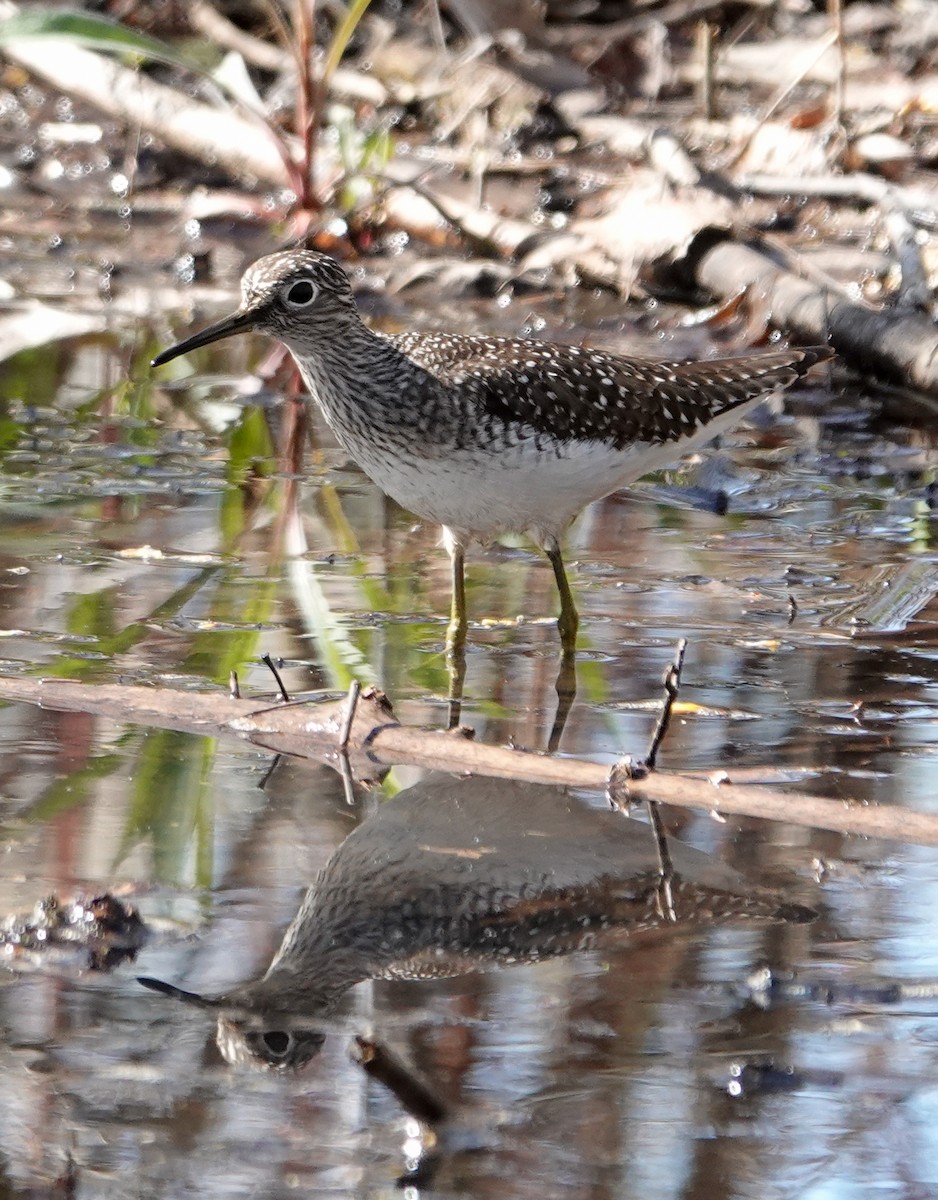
(301,294)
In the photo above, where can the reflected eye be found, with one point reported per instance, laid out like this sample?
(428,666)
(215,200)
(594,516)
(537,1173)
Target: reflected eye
(301,294)
(277,1042)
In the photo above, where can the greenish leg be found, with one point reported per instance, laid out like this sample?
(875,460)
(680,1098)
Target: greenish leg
(566,694)
(458,622)
(568,622)
(456,635)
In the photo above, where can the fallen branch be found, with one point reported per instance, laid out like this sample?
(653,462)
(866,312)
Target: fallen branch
(901,345)
(902,211)
(377,740)
(420,211)
(918,203)
(414,205)
(672,683)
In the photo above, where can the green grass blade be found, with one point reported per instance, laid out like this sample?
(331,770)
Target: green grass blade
(96,33)
(341,37)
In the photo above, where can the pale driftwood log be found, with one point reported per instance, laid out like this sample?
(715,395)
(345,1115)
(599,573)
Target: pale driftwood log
(919,203)
(422,213)
(903,209)
(377,740)
(901,345)
(212,135)
(413,206)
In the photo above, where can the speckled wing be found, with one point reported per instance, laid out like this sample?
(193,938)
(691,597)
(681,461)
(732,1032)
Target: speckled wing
(568,393)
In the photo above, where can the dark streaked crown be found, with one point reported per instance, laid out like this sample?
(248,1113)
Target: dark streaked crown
(270,282)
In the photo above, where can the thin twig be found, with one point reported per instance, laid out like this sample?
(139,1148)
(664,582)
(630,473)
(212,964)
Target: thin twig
(309,100)
(705,55)
(268,774)
(348,783)
(345,767)
(281,704)
(269,664)
(672,682)
(411,1092)
(436,26)
(354,691)
(281,28)
(234,687)
(780,97)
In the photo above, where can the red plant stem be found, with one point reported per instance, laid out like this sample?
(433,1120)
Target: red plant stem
(307,104)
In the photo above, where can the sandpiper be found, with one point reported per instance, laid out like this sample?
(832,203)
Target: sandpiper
(491,435)
(409,895)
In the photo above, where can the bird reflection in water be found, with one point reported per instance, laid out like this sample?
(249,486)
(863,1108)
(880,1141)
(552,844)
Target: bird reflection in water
(456,875)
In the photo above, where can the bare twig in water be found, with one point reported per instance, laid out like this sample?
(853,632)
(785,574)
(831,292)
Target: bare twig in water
(412,1093)
(378,740)
(269,664)
(345,767)
(354,691)
(672,683)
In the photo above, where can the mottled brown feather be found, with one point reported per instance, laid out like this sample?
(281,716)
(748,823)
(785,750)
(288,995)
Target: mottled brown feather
(566,393)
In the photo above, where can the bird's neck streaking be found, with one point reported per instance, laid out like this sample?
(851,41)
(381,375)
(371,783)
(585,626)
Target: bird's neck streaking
(364,385)
(316,963)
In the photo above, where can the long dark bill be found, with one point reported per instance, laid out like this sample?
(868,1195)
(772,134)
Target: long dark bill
(239,322)
(175,993)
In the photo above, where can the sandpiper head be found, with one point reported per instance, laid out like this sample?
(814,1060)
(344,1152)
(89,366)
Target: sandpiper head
(294,296)
(263,1036)
(266,1042)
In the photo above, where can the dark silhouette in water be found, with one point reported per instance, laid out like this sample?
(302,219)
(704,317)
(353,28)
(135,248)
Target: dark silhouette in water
(458,874)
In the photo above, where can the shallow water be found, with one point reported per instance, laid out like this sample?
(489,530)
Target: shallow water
(142,540)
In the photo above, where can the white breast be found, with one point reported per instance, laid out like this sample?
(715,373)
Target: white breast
(521,490)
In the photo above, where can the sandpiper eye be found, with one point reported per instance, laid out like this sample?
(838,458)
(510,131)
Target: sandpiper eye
(277,1042)
(301,294)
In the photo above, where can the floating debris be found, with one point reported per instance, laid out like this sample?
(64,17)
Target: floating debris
(101,932)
